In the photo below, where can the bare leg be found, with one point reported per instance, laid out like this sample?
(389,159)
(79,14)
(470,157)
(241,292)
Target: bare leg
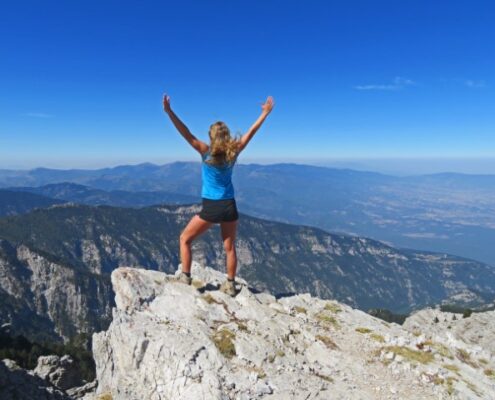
(194,228)
(228,235)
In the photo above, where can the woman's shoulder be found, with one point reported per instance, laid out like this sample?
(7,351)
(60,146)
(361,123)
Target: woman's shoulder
(205,154)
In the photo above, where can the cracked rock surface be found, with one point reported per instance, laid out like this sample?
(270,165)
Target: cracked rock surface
(170,341)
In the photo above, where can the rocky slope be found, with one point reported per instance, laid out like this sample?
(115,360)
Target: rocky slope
(54,378)
(168,340)
(55,264)
(43,297)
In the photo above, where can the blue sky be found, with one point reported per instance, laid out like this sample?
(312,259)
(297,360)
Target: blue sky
(81,83)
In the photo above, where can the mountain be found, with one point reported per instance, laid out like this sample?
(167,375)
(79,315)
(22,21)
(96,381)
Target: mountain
(56,263)
(81,194)
(47,299)
(141,177)
(168,340)
(15,202)
(450,213)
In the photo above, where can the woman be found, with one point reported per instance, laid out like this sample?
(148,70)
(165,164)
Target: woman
(217,192)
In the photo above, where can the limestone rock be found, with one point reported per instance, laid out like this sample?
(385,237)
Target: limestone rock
(61,372)
(169,340)
(18,384)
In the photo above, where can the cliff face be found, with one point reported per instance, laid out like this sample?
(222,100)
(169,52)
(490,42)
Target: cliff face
(168,340)
(43,297)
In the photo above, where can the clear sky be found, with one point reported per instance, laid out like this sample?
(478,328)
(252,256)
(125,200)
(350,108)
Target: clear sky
(81,82)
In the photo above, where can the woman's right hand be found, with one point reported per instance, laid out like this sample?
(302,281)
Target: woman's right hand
(166,103)
(268,105)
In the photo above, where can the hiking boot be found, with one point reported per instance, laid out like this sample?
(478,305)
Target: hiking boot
(183,278)
(229,287)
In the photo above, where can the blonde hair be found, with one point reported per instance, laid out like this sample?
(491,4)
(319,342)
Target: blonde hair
(223,147)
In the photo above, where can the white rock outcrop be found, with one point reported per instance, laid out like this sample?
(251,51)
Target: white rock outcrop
(171,341)
(61,372)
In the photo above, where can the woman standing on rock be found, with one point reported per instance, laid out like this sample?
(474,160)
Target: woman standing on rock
(217,192)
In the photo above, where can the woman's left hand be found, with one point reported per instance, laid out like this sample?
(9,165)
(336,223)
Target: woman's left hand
(166,103)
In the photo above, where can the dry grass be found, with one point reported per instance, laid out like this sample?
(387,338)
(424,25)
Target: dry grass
(440,349)
(449,382)
(105,396)
(451,367)
(379,338)
(223,339)
(483,361)
(473,387)
(260,371)
(361,329)
(327,320)
(210,299)
(490,373)
(332,307)
(242,326)
(280,353)
(408,353)
(327,341)
(324,377)
(300,310)
(464,356)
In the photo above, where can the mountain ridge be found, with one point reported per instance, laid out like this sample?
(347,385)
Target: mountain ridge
(73,239)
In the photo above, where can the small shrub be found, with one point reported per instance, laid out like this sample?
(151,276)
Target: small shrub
(363,330)
(301,310)
(490,373)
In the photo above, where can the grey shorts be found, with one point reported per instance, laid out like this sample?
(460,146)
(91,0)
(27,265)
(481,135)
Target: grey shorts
(216,211)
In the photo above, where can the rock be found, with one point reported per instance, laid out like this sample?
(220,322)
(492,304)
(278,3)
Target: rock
(84,391)
(18,384)
(169,340)
(61,372)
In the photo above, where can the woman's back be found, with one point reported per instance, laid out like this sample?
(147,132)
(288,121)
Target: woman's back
(216,179)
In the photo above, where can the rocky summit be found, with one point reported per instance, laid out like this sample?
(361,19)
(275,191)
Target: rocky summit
(169,340)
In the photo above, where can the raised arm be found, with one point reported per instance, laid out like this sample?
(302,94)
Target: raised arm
(197,144)
(266,109)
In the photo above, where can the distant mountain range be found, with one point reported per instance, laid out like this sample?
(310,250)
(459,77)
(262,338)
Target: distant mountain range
(71,192)
(13,202)
(452,213)
(55,264)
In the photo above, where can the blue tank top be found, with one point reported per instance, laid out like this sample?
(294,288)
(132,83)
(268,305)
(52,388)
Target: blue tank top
(217,179)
